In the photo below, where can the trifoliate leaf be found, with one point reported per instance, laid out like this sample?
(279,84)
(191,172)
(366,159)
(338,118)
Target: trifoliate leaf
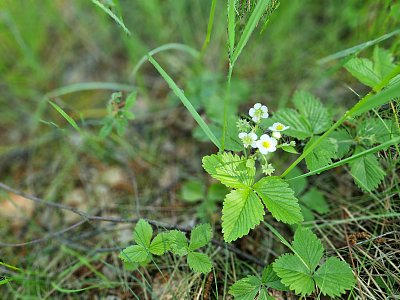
(279,199)
(135,253)
(143,233)
(343,141)
(322,155)
(312,109)
(199,262)
(242,211)
(315,200)
(363,70)
(383,62)
(334,277)
(200,236)
(232,170)
(246,288)
(299,126)
(294,273)
(366,171)
(298,185)
(308,247)
(161,243)
(193,190)
(271,280)
(179,244)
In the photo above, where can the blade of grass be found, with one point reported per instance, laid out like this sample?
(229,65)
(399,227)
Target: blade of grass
(255,17)
(112,15)
(349,159)
(231,27)
(357,48)
(185,101)
(209,26)
(66,116)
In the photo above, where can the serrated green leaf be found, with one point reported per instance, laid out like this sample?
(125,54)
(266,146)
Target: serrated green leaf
(312,109)
(308,247)
(299,127)
(232,170)
(200,236)
(178,244)
(373,131)
(246,288)
(363,70)
(315,200)
(294,274)
(307,213)
(383,62)
(199,262)
(143,233)
(135,253)
(322,155)
(334,277)
(271,280)
(279,198)
(193,190)
(161,243)
(366,171)
(242,211)
(343,141)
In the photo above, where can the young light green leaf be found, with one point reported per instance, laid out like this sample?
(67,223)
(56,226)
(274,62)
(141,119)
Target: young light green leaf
(232,170)
(178,243)
(130,100)
(135,253)
(363,70)
(299,126)
(143,233)
(289,149)
(185,101)
(242,211)
(161,243)
(200,236)
(294,274)
(334,277)
(312,109)
(246,288)
(199,262)
(308,247)
(322,155)
(383,62)
(279,198)
(193,190)
(315,200)
(366,171)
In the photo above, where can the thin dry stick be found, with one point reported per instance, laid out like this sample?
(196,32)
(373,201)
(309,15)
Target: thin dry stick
(88,217)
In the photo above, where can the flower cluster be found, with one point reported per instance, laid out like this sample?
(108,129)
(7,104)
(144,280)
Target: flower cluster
(267,142)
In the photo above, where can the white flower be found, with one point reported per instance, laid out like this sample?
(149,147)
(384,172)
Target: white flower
(278,127)
(248,139)
(266,144)
(258,111)
(276,135)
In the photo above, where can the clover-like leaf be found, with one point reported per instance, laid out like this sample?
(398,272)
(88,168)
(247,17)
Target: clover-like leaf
(179,244)
(143,233)
(279,198)
(161,243)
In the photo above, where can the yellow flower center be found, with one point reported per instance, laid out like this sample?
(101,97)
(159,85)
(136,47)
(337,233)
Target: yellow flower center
(266,144)
(279,127)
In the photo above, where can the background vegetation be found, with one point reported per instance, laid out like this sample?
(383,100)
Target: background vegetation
(76,55)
